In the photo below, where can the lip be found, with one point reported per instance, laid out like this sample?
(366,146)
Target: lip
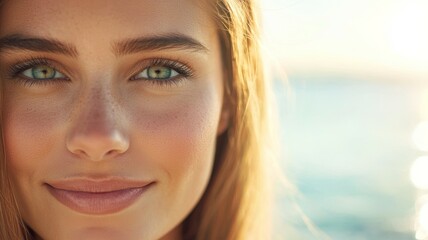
(97,196)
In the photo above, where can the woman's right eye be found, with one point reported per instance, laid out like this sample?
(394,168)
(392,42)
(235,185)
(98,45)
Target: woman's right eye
(43,72)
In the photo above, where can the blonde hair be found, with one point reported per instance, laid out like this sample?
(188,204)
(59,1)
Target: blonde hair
(236,203)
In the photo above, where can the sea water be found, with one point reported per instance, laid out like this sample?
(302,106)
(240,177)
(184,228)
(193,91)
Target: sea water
(347,148)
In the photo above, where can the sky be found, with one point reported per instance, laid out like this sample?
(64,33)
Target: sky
(382,39)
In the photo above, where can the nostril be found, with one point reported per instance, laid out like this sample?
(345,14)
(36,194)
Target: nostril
(99,148)
(80,153)
(111,152)
(84,155)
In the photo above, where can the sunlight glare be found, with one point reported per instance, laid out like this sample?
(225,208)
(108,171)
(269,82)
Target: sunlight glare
(421,235)
(408,32)
(423,217)
(418,173)
(420,136)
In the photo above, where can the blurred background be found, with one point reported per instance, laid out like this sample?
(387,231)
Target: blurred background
(353,116)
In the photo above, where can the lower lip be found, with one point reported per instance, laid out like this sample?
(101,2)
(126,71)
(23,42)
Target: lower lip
(98,203)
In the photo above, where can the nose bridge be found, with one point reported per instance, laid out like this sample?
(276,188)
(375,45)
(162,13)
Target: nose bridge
(96,111)
(96,132)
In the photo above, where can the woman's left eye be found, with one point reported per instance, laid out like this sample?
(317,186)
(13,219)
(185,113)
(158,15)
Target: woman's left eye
(42,72)
(157,72)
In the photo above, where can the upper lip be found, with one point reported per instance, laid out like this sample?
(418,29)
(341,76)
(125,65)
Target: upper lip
(97,185)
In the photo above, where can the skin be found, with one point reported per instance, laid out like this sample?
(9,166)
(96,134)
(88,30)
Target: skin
(99,123)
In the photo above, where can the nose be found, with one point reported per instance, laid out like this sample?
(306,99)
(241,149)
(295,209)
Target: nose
(96,132)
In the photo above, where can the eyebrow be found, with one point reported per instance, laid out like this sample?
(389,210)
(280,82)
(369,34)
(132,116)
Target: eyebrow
(162,42)
(127,46)
(22,42)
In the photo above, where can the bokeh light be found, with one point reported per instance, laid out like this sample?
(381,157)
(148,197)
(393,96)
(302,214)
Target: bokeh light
(423,217)
(421,235)
(419,172)
(420,136)
(421,221)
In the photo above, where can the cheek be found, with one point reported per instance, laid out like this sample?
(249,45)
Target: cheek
(190,138)
(181,142)
(183,135)
(30,138)
(31,133)
(178,138)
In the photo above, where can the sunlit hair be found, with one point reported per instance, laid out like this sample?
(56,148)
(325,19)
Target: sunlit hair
(236,203)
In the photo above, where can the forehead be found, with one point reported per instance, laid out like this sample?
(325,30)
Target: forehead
(83,20)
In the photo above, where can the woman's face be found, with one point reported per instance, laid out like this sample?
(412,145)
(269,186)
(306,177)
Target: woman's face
(111,113)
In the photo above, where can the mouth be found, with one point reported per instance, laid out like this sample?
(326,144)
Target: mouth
(97,197)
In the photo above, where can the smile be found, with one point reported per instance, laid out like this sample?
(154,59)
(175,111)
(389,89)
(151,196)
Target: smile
(97,197)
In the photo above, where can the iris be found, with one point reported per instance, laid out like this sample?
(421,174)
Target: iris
(42,72)
(159,72)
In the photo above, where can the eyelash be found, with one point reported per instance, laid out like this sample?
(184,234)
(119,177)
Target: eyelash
(16,70)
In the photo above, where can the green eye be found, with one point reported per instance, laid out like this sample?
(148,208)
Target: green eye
(157,72)
(42,72)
